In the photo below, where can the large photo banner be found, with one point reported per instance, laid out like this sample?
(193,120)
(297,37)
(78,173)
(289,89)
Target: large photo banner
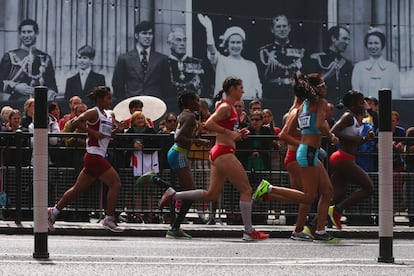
(157,48)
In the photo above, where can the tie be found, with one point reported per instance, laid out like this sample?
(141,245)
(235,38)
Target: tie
(144,61)
(83,78)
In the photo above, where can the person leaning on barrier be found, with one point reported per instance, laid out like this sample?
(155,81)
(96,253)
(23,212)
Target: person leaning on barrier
(10,141)
(69,128)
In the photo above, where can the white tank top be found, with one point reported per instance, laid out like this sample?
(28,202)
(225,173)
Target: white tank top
(104,125)
(354,130)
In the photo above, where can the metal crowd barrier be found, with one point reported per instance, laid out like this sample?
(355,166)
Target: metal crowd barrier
(139,205)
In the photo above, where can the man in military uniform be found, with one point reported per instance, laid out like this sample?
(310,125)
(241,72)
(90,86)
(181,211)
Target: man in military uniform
(186,72)
(24,68)
(334,67)
(279,60)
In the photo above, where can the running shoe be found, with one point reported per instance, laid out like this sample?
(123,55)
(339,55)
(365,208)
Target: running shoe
(301,236)
(309,230)
(146,178)
(110,224)
(177,234)
(335,217)
(255,235)
(261,190)
(325,237)
(166,198)
(51,218)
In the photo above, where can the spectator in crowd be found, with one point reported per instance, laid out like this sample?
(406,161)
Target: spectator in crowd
(255,152)
(243,118)
(169,128)
(83,82)
(26,67)
(199,153)
(170,124)
(269,121)
(372,110)
(330,114)
(375,73)
(53,128)
(186,72)
(75,156)
(142,71)
(409,150)
(334,67)
(10,153)
(254,105)
(73,101)
(5,115)
(277,145)
(367,153)
(161,125)
(136,105)
(233,63)
(68,128)
(279,60)
(397,160)
(28,108)
(144,159)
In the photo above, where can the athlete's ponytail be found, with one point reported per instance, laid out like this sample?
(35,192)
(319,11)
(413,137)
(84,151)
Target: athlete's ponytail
(228,82)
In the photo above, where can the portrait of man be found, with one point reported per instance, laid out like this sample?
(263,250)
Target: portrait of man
(142,71)
(26,67)
(186,72)
(335,68)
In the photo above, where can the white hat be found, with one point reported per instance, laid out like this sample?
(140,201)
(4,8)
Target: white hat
(231,31)
(154,108)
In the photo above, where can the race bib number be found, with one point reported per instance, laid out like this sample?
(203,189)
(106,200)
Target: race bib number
(106,128)
(304,121)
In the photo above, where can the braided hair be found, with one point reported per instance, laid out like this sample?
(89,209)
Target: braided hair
(304,86)
(184,97)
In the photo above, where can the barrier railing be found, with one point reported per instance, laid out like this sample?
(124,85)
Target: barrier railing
(140,204)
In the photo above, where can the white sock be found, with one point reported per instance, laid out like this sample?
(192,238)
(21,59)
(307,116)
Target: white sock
(246,213)
(270,189)
(320,232)
(55,211)
(110,218)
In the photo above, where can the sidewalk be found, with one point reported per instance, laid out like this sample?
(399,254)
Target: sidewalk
(196,230)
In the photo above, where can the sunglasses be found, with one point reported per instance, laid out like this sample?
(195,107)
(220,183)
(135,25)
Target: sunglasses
(255,119)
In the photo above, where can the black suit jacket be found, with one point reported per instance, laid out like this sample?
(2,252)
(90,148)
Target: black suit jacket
(74,86)
(129,79)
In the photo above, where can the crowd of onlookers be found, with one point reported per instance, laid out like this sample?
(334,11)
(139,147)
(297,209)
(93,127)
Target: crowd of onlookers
(263,151)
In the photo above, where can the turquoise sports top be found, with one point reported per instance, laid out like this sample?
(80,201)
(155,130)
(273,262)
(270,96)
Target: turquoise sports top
(307,120)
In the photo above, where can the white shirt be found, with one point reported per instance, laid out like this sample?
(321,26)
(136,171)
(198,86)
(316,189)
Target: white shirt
(83,76)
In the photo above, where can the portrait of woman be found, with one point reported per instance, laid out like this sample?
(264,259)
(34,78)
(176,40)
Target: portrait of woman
(376,72)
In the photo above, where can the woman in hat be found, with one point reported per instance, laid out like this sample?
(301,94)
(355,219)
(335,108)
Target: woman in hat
(232,63)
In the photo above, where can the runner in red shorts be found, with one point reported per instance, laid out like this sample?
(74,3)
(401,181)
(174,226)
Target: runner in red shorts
(98,123)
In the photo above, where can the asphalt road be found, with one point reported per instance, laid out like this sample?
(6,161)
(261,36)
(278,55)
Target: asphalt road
(118,255)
